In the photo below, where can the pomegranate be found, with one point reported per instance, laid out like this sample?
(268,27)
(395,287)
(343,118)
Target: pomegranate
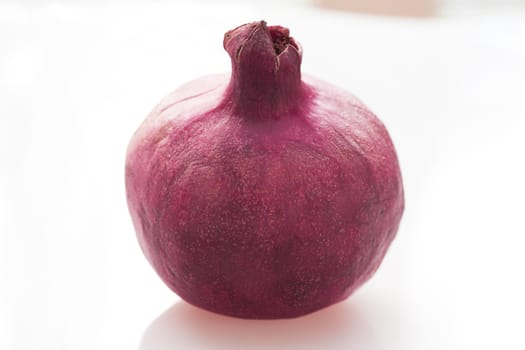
(263,194)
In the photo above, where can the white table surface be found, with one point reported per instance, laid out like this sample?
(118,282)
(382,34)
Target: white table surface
(75,82)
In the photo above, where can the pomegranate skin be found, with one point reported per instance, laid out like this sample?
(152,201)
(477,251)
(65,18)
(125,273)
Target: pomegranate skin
(255,200)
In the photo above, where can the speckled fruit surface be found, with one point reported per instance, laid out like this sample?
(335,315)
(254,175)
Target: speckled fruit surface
(264,193)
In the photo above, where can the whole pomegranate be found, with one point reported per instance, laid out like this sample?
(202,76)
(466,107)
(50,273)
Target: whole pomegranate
(263,194)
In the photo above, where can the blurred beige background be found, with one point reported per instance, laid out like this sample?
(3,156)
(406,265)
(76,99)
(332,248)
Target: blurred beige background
(389,7)
(419,8)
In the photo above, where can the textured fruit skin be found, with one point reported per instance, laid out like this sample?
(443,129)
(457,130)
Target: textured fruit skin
(263,217)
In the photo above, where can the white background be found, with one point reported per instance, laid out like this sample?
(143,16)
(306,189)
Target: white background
(77,79)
